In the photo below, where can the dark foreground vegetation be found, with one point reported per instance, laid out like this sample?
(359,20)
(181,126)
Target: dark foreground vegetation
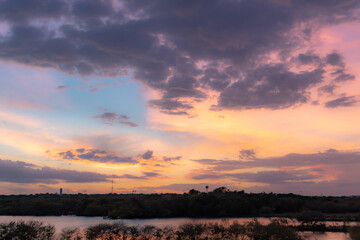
(218,203)
(276,230)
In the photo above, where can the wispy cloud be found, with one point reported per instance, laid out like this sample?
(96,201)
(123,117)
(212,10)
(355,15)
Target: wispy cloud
(345,101)
(247,154)
(169,159)
(21,172)
(310,173)
(62,87)
(112,117)
(329,157)
(94,155)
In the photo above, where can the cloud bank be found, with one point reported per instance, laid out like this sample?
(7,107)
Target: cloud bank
(21,172)
(309,173)
(244,51)
(94,155)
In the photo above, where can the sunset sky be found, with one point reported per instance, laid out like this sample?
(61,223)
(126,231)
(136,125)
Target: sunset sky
(166,96)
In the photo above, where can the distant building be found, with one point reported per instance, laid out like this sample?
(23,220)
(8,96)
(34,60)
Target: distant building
(60,191)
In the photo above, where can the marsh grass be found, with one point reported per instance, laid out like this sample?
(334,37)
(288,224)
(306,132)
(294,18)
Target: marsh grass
(276,230)
(71,234)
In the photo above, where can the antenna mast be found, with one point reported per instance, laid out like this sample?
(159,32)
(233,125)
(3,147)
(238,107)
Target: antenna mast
(112,186)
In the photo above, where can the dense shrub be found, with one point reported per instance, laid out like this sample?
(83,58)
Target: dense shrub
(31,230)
(276,230)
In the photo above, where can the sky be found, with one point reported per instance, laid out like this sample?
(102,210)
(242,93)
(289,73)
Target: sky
(166,96)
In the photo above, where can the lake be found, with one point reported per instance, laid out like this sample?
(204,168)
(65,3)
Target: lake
(61,222)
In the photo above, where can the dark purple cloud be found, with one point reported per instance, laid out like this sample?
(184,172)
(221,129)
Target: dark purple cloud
(272,87)
(25,10)
(327,89)
(147,155)
(91,9)
(335,59)
(80,150)
(67,155)
(329,172)
(151,174)
(21,172)
(62,87)
(129,176)
(170,106)
(146,175)
(111,118)
(308,58)
(169,159)
(329,157)
(345,101)
(247,154)
(182,49)
(342,76)
(276,87)
(218,80)
(269,177)
(94,155)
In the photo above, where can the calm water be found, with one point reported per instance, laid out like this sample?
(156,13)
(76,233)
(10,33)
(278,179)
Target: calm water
(83,222)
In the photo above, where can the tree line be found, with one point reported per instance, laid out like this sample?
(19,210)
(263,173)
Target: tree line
(219,203)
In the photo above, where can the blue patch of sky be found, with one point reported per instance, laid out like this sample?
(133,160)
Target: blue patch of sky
(125,98)
(81,105)
(74,106)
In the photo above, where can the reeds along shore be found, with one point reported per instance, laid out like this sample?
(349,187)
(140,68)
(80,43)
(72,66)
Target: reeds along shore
(276,230)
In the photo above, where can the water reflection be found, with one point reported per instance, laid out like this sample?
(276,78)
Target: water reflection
(325,236)
(61,222)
